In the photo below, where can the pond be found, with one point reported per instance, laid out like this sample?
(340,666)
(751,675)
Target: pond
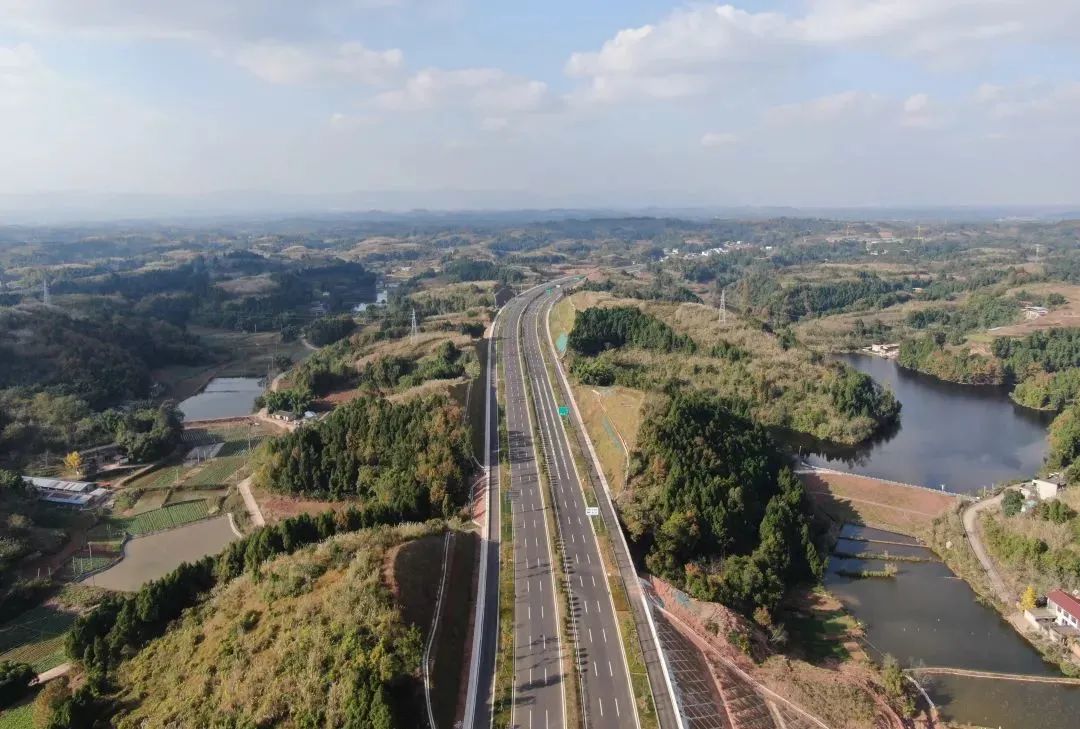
(223,397)
(927,616)
(961,436)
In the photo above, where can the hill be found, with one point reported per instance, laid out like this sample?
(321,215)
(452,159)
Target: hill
(312,639)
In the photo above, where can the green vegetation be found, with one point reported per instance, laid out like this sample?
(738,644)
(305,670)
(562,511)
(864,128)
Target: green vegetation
(167,517)
(1064,450)
(767,298)
(785,387)
(36,637)
(980,312)
(246,629)
(598,329)
(1042,552)
(15,681)
(715,507)
(20,717)
(404,460)
(294,399)
(330,329)
(927,354)
(858,395)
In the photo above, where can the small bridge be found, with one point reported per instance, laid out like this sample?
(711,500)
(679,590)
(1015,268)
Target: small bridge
(938,670)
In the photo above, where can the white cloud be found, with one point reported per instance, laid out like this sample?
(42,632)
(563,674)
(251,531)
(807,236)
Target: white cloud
(283,63)
(696,49)
(489,90)
(718,139)
(683,53)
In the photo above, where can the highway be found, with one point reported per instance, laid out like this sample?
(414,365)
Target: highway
(539,690)
(606,693)
(539,686)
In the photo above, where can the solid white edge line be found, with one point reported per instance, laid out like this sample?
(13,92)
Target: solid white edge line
(607,496)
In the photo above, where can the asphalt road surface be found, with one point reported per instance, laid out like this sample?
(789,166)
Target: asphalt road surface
(607,696)
(539,684)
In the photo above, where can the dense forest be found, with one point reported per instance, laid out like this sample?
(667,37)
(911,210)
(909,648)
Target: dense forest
(765,297)
(715,507)
(597,329)
(406,460)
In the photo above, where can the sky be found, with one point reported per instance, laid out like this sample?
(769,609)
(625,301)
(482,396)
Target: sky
(477,103)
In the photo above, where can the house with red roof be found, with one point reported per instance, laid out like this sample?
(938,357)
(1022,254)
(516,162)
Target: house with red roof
(1065,607)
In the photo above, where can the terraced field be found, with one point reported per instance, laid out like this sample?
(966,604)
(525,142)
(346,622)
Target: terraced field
(216,472)
(166,517)
(36,637)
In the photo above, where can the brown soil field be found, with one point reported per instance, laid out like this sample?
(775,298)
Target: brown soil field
(1064,316)
(276,507)
(848,497)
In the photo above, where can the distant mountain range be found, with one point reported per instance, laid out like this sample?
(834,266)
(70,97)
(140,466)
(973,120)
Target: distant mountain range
(501,206)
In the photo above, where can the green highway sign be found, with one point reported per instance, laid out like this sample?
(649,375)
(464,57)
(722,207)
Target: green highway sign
(564,411)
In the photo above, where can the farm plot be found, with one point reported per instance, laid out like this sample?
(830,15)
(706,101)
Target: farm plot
(217,472)
(167,517)
(36,637)
(161,478)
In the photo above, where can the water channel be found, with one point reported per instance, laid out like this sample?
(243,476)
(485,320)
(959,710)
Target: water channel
(223,397)
(966,438)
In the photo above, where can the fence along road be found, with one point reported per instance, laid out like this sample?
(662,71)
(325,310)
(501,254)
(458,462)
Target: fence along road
(539,687)
(607,695)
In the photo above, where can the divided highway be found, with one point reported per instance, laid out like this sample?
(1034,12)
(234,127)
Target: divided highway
(540,686)
(606,692)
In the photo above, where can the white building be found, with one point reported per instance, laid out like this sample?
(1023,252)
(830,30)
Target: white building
(79,494)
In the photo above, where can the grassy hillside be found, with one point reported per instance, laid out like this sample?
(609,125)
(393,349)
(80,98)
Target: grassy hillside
(314,639)
(781,383)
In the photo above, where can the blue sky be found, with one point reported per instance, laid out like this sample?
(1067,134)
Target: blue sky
(639,102)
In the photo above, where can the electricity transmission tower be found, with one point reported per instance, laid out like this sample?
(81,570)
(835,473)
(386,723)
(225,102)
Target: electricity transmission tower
(45,295)
(415,328)
(723,306)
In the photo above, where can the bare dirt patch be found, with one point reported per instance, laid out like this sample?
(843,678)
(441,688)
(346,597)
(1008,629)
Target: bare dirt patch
(1064,316)
(276,507)
(847,497)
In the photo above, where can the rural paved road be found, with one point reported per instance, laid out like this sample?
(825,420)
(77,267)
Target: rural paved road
(970,517)
(607,695)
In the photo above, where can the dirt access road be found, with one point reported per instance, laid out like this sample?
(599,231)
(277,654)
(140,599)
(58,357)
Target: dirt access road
(970,518)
